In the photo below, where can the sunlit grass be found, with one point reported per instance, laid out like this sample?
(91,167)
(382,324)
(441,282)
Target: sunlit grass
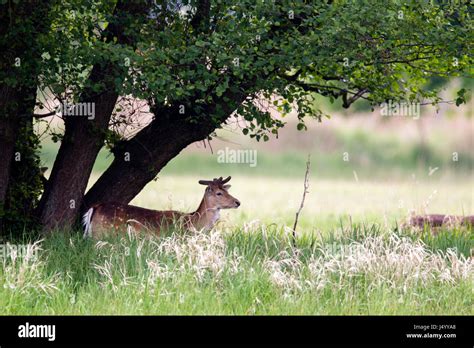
(351,256)
(276,200)
(250,270)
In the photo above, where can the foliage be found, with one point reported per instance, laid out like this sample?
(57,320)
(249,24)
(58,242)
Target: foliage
(284,51)
(26,184)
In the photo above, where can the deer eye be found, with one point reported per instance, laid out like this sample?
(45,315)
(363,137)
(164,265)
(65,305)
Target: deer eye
(219,194)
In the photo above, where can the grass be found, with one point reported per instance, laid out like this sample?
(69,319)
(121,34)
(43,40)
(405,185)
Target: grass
(350,257)
(275,200)
(253,270)
(337,152)
(378,160)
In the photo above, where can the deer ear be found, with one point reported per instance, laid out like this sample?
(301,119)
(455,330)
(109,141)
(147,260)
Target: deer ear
(227,186)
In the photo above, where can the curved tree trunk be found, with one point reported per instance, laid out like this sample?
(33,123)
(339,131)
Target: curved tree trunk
(139,161)
(151,149)
(82,142)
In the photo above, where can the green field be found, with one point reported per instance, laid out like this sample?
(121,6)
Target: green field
(248,270)
(351,256)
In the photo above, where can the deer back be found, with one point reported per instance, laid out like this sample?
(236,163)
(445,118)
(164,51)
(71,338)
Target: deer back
(116,216)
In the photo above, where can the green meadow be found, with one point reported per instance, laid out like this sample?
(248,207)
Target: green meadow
(352,254)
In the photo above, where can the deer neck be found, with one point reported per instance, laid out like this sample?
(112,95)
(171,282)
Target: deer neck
(205,217)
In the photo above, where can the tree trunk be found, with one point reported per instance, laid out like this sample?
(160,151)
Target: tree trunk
(18,72)
(82,142)
(138,162)
(24,186)
(83,139)
(8,134)
(141,158)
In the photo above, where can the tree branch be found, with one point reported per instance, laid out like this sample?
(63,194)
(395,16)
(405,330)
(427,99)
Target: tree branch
(306,186)
(52,113)
(200,21)
(347,102)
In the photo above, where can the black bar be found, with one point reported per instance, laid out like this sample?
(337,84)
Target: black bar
(139,330)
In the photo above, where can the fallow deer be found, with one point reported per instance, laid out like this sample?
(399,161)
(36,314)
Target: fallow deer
(104,218)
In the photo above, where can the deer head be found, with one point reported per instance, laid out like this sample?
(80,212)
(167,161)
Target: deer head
(216,195)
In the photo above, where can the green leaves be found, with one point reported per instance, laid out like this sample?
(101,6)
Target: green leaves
(220,89)
(301,126)
(254,49)
(200,43)
(461,97)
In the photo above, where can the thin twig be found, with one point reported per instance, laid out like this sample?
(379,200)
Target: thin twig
(44,115)
(306,186)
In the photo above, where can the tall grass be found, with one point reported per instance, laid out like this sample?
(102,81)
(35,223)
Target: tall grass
(251,270)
